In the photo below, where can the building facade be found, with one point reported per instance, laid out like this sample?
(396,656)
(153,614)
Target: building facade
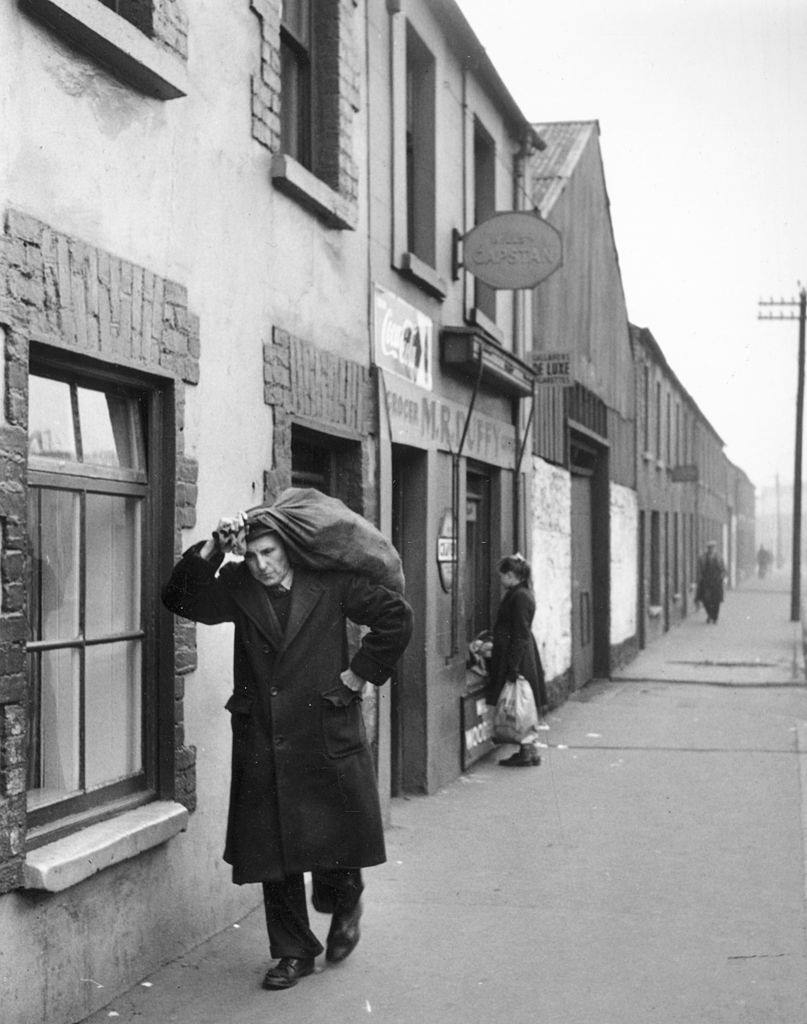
(584,501)
(183,300)
(688,493)
(247,275)
(449,359)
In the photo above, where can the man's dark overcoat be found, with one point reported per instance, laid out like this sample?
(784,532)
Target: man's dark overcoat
(711,573)
(303,793)
(515,651)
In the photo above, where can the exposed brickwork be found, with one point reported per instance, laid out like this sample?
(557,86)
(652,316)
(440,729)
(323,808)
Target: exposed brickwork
(337,70)
(304,382)
(170,26)
(63,292)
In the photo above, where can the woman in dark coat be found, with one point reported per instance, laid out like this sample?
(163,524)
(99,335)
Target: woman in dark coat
(515,651)
(303,793)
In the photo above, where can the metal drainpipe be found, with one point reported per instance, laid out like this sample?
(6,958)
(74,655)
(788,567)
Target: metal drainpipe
(519,337)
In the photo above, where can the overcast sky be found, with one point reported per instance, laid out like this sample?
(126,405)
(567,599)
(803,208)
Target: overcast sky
(701,105)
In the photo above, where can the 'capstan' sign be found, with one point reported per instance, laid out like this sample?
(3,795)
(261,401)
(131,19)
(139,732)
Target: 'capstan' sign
(512,250)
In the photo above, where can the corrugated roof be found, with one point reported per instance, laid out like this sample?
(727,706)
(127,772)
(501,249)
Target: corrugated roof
(552,167)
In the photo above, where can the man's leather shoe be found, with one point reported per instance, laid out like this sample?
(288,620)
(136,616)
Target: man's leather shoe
(288,971)
(524,757)
(344,934)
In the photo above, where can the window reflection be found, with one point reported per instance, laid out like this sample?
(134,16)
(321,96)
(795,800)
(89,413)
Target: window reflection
(69,423)
(51,428)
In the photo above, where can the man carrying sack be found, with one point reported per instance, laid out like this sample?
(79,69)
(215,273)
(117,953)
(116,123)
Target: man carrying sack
(303,794)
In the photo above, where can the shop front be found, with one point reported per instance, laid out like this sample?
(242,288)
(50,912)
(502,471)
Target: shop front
(449,447)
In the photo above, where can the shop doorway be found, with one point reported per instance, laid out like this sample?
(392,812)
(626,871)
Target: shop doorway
(582,581)
(408,531)
(641,589)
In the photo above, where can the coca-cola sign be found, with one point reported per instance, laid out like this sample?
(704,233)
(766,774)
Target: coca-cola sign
(403,339)
(512,250)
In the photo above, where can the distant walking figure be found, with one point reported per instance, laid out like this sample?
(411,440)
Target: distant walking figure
(711,573)
(764,559)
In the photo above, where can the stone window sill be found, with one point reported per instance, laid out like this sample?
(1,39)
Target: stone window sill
(421,273)
(305,188)
(112,41)
(74,858)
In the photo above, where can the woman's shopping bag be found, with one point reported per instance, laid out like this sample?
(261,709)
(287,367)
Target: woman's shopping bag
(516,713)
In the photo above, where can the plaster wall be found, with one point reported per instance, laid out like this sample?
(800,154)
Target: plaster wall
(624,562)
(551,560)
(183,189)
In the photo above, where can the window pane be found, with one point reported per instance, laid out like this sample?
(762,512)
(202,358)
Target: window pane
(51,431)
(294,113)
(110,429)
(53,526)
(54,766)
(112,712)
(113,564)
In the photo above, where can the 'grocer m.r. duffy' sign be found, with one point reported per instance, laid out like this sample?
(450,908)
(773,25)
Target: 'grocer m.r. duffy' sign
(512,250)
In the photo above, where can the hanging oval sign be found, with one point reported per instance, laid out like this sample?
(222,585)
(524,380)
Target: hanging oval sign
(512,250)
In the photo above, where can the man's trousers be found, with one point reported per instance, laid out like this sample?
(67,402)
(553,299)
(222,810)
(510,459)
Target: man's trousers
(287,913)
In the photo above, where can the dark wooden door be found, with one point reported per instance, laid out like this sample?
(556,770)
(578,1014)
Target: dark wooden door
(582,582)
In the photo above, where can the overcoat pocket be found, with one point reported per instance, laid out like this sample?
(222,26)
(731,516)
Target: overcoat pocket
(239,704)
(342,723)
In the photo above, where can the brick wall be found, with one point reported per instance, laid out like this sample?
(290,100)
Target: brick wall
(337,77)
(170,26)
(61,291)
(305,383)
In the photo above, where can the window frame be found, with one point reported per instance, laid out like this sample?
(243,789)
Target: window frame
(484,194)
(303,55)
(420,148)
(156,779)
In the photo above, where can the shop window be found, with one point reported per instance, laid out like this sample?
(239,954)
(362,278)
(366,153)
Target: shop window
(420,149)
(484,207)
(91,648)
(478,553)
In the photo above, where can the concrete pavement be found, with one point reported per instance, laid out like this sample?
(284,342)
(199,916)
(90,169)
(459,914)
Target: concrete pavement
(651,871)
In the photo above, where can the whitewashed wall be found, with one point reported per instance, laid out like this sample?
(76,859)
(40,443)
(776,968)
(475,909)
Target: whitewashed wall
(624,562)
(551,558)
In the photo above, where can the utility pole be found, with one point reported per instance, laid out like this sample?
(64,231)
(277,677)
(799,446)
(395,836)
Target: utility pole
(781,304)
